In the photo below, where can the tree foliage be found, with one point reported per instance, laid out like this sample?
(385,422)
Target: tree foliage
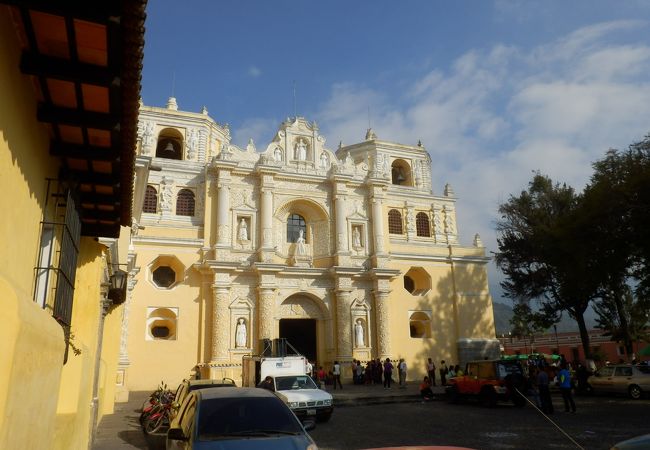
(543,254)
(565,250)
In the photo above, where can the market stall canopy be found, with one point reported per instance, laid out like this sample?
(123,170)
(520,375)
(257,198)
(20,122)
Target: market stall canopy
(85,61)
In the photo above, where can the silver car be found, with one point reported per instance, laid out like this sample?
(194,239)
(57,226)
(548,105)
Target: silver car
(623,379)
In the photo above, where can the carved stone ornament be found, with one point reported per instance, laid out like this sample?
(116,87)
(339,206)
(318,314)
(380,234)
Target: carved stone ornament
(192,143)
(147,138)
(166,194)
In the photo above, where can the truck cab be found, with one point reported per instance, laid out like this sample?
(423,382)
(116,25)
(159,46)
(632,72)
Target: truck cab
(291,383)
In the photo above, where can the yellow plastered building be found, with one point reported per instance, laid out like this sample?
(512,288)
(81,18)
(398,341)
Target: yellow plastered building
(346,254)
(67,137)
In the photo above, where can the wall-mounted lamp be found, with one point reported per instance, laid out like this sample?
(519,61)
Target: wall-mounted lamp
(117,291)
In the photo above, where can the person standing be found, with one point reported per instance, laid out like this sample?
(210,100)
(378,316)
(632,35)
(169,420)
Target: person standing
(402,373)
(388,373)
(544,392)
(431,371)
(443,373)
(564,377)
(337,374)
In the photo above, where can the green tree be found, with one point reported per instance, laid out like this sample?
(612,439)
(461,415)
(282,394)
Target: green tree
(623,317)
(617,205)
(544,254)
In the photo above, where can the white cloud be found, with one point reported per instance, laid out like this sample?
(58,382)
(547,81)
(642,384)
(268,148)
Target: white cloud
(254,71)
(500,114)
(259,129)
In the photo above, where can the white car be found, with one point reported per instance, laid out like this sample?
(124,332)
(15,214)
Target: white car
(304,398)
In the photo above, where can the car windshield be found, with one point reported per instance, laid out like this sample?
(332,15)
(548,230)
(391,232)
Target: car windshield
(222,418)
(508,369)
(294,382)
(644,369)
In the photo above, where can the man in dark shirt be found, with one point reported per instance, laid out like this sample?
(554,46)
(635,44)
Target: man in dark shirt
(544,392)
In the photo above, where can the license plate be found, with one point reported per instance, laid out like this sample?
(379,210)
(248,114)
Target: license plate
(311,412)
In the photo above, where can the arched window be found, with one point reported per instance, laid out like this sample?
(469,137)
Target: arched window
(420,325)
(422,226)
(185,203)
(161,323)
(170,144)
(394,222)
(150,200)
(295,223)
(401,173)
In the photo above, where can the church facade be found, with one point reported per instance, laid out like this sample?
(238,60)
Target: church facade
(347,253)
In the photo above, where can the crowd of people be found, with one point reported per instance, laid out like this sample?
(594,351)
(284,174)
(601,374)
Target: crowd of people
(384,373)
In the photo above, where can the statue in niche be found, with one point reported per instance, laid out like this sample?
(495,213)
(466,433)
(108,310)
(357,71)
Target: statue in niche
(323,160)
(192,143)
(240,333)
(147,137)
(358,333)
(356,237)
(243,230)
(300,243)
(277,154)
(301,150)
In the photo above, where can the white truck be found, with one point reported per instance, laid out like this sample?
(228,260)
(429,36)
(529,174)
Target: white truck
(291,383)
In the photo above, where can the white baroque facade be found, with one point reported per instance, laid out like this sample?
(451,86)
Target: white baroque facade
(348,254)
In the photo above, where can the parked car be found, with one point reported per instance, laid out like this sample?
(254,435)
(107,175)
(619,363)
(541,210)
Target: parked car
(188,386)
(623,379)
(489,381)
(237,418)
(636,443)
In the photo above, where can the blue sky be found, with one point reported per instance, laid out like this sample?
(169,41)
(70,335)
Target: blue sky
(494,89)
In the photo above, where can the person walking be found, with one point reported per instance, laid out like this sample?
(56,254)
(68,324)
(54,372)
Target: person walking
(564,377)
(402,373)
(431,371)
(336,371)
(388,373)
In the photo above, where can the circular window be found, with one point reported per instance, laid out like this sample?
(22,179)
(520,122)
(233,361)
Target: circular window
(164,276)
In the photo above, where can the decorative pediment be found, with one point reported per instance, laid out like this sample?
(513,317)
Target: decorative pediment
(241,303)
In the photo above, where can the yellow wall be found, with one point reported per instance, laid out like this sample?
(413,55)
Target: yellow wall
(32,342)
(43,404)
(149,364)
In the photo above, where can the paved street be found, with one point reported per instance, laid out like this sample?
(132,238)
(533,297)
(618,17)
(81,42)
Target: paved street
(384,418)
(599,423)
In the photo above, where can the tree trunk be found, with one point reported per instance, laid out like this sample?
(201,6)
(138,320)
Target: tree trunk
(625,328)
(584,335)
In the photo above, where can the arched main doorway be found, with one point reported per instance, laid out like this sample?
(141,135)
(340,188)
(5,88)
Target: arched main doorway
(301,334)
(302,318)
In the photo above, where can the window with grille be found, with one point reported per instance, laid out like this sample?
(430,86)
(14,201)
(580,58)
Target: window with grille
(185,203)
(422,226)
(150,200)
(57,259)
(394,222)
(295,223)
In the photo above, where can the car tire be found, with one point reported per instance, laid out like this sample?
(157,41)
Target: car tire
(488,397)
(453,396)
(635,392)
(324,418)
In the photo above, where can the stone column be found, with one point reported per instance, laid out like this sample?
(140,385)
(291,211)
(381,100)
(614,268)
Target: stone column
(220,323)
(378,225)
(267,217)
(265,309)
(343,325)
(382,326)
(341,228)
(223,209)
